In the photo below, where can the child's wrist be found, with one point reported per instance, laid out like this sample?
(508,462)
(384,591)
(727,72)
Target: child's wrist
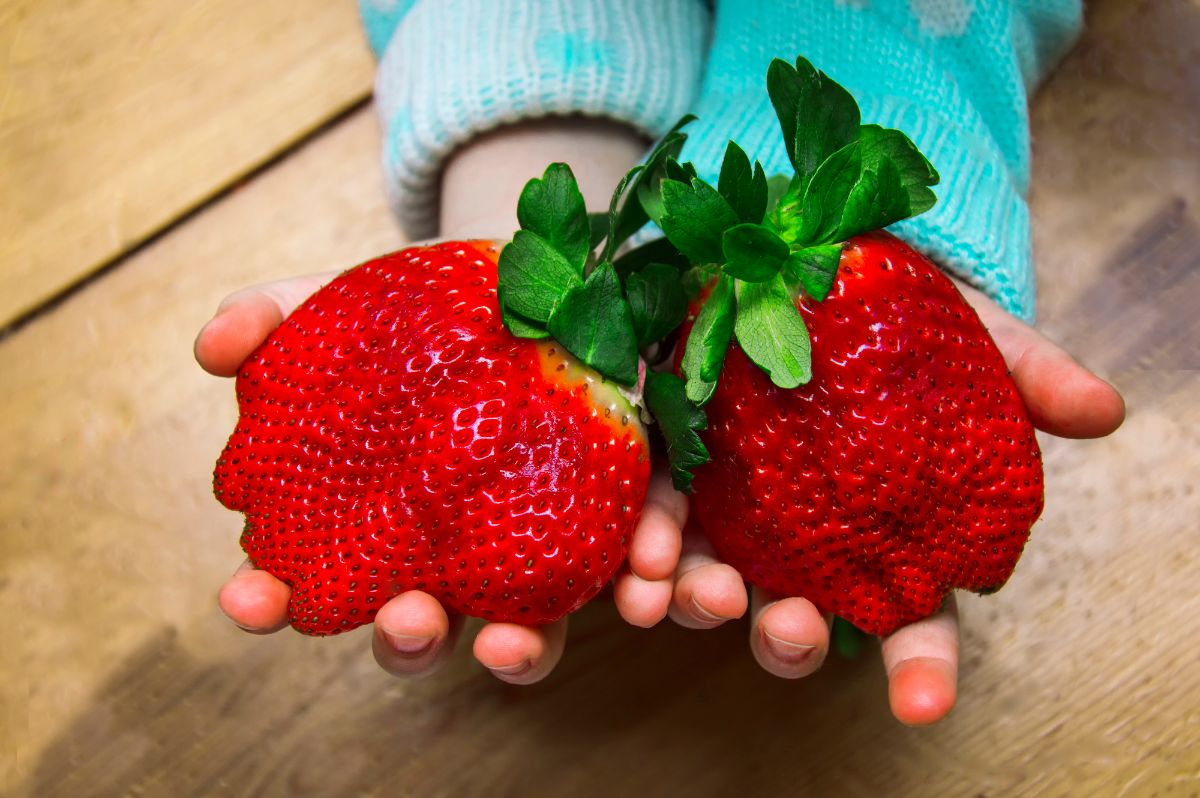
(482,180)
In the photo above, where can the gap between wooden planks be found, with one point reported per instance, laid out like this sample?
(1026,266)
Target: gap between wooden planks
(116,121)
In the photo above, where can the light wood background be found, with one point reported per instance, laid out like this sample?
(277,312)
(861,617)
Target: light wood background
(1081,678)
(117,118)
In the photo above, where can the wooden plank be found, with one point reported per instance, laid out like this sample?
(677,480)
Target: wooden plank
(1079,678)
(110,536)
(115,121)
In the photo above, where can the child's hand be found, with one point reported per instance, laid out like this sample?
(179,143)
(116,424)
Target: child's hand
(669,570)
(790,638)
(413,633)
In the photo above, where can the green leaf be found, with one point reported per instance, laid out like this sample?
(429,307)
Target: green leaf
(659,250)
(598,222)
(656,300)
(534,276)
(683,172)
(758,193)
(594,323)
(753,252)
(826,119)
(777,186)
(679,420)
(708,342)
(643,180)
(846,639)
(521,327)
(517,324)
(675,171)
(745,188)
(785,215)
(817,116)
(814,269)
(784,86)
(877,200)
(850,178)
(700,391)
(772,333)
(615,211)
(826,196)
(552,207)
(649,197)
(695,217)
(649,191)
(916,172)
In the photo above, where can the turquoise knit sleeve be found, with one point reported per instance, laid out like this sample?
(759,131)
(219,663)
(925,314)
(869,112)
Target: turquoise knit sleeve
(953,74)
(451,69)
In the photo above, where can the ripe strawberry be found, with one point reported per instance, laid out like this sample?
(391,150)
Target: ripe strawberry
(395,436)
(460,421)
(907,466)
(868,449)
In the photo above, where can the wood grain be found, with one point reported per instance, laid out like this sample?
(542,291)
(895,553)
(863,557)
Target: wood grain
(116,118)
(1078,679)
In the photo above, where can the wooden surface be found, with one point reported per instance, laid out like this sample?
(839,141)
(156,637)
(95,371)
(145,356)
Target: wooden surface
(1080,678)
(116,118)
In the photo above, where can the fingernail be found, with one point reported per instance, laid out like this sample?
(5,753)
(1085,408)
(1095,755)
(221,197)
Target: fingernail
(409,645)
(238,623)
(786,651)
(513,670)
(703,613)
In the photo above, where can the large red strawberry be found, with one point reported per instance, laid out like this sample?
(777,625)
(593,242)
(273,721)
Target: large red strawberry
(461,420)
(395,436)
(868,448)
(907,465)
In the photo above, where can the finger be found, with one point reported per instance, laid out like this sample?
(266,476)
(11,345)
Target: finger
(413,634)
(707,591)
(654,550)
(921,661)
(789,637)
(1063,397)
(255,600)
(640,602)
(642,589)
(520,654)
(245,318)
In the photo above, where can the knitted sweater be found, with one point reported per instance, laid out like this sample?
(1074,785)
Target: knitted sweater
(952,74)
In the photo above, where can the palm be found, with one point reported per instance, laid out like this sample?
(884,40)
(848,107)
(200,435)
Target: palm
(670,569)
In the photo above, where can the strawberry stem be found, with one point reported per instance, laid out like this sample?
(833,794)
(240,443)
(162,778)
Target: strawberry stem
(846,638)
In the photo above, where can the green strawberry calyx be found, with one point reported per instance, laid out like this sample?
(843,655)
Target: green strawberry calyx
(754,243)
(561,278)
(757,243)
(767,241)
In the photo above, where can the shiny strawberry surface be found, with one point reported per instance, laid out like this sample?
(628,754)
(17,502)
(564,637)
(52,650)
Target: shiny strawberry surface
(394,436)
(905,468)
